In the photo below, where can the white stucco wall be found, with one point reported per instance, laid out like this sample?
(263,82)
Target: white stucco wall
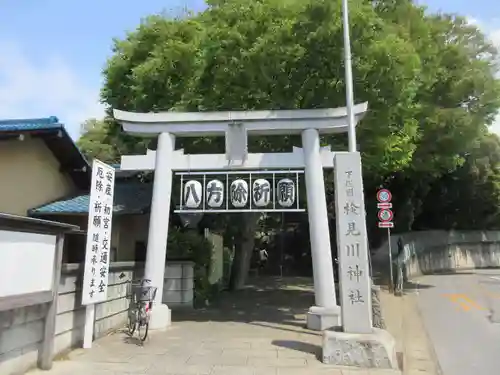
(35,252)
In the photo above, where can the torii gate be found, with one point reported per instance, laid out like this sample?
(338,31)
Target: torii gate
(235,126)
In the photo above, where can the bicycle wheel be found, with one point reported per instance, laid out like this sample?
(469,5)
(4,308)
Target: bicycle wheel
(132,322)
(143,331)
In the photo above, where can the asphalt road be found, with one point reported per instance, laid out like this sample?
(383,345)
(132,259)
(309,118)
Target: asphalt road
(456,310)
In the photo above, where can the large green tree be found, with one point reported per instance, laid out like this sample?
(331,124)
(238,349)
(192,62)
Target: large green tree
(469,197)
(429,81)
(458,97)
(104,140)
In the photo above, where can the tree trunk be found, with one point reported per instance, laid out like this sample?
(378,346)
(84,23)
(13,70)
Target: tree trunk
(243,248)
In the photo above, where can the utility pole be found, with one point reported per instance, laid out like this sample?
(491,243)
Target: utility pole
(349,91)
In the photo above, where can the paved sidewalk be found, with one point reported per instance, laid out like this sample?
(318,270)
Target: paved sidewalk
(257,331)
(405,323)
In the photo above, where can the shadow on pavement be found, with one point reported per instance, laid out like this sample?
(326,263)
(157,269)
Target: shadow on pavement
(408,287)
(282,301)
(450,273)
(299,346)
(132,340)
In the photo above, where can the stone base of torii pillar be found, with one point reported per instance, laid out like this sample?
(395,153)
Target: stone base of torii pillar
(322,318)
(161,319)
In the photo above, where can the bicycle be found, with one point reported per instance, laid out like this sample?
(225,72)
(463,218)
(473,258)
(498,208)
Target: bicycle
(141,304)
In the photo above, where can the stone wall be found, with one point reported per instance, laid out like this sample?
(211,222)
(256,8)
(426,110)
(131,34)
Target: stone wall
(436,251)
(21,329)
(178,290)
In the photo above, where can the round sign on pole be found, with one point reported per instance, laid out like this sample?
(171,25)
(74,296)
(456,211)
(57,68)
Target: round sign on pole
(385,215)
(384,196)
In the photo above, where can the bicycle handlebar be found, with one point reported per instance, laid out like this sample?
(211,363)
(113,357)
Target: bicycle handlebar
(141,281)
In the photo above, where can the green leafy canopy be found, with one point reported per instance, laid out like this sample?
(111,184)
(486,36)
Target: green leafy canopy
(429,79)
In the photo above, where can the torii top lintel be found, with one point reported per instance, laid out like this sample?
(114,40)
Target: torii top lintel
(275,122)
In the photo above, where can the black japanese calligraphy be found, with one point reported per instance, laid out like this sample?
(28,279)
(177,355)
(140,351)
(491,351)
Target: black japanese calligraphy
(96,221)
(99,231)
(355,273)
(100,172)
(103,272)
(98,185)
(261,192)
(352,230)
(190,191)
(239,192)
(102,286)
(355,296)
(286,191)
(214,192)
(107,209)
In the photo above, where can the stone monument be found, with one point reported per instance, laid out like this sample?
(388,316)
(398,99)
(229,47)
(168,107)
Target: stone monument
(357,342)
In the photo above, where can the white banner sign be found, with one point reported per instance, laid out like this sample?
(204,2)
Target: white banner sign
(355,291)
(95,280)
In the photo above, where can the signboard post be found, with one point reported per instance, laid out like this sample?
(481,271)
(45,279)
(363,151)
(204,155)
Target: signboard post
(385,217)
(355,283)
(95,279)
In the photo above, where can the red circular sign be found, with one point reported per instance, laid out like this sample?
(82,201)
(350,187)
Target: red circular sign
(384,196)
(385,215)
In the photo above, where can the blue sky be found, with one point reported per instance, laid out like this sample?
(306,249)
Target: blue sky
(53,51)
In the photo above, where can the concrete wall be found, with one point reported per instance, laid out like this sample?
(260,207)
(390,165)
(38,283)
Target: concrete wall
(434,251)
(34,177)
(21,329)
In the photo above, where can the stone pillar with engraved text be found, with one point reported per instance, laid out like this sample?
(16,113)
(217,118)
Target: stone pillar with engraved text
(352,241)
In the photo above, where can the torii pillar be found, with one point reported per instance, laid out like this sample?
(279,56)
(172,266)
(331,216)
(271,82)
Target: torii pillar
(310,124)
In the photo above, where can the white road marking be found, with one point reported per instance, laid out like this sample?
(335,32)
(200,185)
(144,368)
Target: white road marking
(495,278)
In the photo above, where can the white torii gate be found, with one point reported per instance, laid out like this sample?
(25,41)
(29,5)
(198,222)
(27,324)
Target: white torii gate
(235,126)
